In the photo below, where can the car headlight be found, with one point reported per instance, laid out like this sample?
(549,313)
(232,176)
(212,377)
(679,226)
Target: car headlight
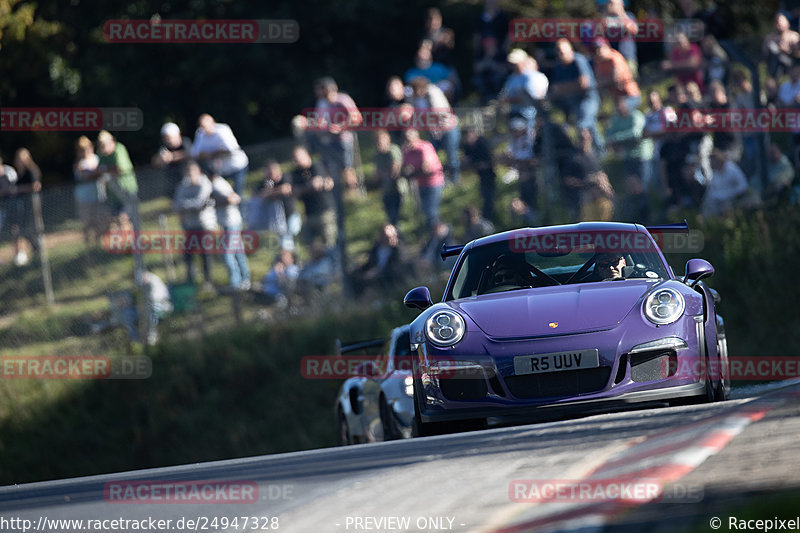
(664,306)
(445,328)
(408,385)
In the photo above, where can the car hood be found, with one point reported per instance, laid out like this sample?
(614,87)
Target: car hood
(556,310)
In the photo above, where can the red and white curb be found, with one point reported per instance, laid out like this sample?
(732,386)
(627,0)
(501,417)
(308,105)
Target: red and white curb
(661,458)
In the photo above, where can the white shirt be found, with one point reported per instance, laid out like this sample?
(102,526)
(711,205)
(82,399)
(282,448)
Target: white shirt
(530,83)
(435,101)
(156,292)
(222,138)
(726,184)
(195,201)
(9,177)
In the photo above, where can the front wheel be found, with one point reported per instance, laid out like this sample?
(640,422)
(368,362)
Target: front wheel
(708,395)
(343,431)
(723,389)
(420,428)
(427,429)
(390,430)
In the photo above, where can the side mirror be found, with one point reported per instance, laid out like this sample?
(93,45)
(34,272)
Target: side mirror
(419,298)
(697,269)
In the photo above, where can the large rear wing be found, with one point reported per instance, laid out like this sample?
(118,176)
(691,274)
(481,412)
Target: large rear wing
(678,227)
(342,349)
(449,251)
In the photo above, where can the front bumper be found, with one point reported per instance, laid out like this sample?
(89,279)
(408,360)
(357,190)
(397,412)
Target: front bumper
(490,387)
(622,402)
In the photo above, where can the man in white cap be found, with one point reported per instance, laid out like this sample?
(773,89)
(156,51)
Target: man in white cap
(172,155)
(520,156)
(524,88)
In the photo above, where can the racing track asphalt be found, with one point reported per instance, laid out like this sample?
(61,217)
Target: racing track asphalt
(469,482)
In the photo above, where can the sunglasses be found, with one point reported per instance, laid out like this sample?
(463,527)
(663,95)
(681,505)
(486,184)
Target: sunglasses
(606,264)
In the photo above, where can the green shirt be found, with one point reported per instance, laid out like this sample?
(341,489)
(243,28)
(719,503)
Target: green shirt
(119,158)
(628,131)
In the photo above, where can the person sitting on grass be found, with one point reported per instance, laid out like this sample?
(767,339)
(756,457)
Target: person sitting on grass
(385,266)
(279,283)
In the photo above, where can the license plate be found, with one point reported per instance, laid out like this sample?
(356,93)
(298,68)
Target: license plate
(556,362)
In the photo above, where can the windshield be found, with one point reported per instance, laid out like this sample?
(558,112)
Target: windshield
(497,267)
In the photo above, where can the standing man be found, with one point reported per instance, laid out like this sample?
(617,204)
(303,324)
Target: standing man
(728,183)
(196,208)
(336,141)
(388,166)
(29,180)
(421,162)
(316,192)
(613,74)
(226,203)
(524,88)
(478,154)
(428,98)
(574,89)
(625,134)
(172,155)
(215,143)
(122,185)
(275,198)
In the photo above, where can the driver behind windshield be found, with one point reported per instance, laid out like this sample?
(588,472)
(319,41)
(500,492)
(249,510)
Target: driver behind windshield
(510,270)
(609,266)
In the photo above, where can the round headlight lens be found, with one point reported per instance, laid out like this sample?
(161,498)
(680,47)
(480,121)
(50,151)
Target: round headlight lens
(664,306)
(445,328)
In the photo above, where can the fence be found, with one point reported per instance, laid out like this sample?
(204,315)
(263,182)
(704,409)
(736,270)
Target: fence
(76,297)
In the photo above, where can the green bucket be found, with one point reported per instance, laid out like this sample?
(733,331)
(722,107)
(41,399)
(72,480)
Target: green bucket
(183,297)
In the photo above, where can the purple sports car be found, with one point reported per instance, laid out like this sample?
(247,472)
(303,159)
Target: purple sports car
(552,321)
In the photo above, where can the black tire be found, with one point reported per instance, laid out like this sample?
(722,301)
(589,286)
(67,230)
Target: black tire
(420,428)
(390,430)
(722,392)
(343,430)
(428,429)
(708,395)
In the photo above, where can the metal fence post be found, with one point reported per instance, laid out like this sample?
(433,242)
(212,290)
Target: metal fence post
(38,219)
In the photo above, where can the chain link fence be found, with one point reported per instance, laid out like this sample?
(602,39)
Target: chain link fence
(67,294)
(82,296)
